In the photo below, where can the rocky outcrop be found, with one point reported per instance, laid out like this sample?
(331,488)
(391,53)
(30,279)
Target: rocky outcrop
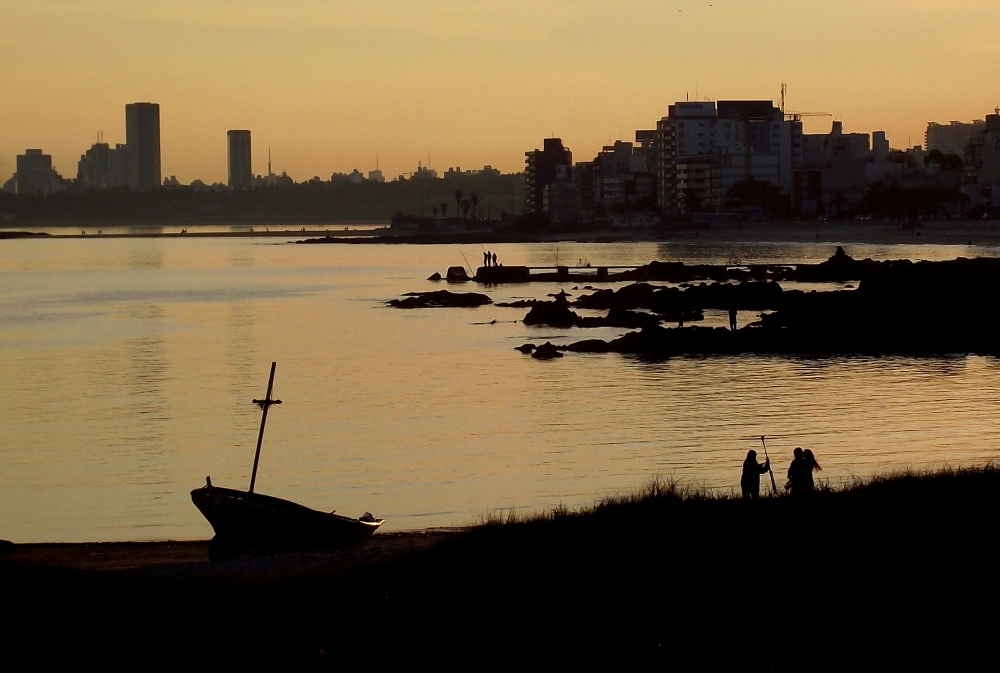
(546,352)
(440,299)
(901,308)
(456,274)
(559,315)
(553,315)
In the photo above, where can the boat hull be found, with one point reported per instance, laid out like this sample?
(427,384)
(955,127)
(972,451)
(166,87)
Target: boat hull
(252,521)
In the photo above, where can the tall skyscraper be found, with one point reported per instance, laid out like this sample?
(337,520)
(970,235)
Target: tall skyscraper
(142,137)
(240,165)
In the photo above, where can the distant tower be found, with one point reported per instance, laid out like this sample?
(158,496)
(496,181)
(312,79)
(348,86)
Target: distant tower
(240,166)
(142,138)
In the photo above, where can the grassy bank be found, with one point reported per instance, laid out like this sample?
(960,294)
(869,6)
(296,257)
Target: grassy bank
(894,573)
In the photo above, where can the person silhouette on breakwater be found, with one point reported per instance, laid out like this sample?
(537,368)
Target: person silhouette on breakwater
(733,313)
(494,259)
(486,259)
(750,481)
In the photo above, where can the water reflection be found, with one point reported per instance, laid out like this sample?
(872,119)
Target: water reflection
(144,255)
(428,418)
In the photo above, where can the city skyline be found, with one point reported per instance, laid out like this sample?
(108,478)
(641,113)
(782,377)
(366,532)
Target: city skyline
(329,89)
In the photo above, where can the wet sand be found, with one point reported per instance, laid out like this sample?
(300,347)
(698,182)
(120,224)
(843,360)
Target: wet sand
(187,557)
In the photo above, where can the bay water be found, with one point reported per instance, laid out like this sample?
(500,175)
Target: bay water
(129,365)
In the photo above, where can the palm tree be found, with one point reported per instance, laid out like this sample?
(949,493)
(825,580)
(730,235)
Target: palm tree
(444,210)
(458,200)
(690,201)
(465,205)
(475,205)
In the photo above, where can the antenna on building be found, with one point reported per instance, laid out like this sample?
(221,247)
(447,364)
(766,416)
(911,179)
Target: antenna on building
(784,89)
(376,161)
(269,161)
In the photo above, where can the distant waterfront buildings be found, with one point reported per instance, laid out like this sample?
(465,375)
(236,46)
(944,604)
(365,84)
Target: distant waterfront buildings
(35,174)
(142,140)
(725,156)
(240,162)
(548,172)
(103,167)
(951,138)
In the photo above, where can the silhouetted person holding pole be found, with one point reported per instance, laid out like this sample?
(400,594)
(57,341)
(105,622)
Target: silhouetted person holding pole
(750,481)
(486,259)
(732,319)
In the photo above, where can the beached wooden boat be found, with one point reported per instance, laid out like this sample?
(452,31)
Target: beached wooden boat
(256,522)
(245,521)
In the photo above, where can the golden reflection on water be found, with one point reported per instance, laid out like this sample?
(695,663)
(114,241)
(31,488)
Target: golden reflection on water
(130,365)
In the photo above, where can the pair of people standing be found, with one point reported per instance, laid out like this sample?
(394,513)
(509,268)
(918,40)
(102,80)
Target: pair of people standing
(489,259)
(800,473)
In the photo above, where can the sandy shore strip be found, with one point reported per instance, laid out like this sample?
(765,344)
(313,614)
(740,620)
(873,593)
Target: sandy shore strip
(171,557)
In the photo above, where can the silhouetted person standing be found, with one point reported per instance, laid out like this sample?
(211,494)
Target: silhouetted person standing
(750,481)
(810,465)
(486,259)
(795,469)
(732,319)
(800,472)
(494,259)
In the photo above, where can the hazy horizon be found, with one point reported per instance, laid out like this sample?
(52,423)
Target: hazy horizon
(328,87)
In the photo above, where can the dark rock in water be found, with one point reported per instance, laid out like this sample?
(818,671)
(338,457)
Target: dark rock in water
(441,299)
(435,276)
(619,317)
(495,275)
(520,303)
(526,348)
(900,308)
(589,346)
(551,314)
(457,274)
(546,352)
(6,547)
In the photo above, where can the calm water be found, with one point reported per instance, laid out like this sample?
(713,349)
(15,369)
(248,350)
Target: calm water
(129,366)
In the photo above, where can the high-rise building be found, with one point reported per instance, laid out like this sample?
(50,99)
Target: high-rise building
(103,167)
(951,138)
(544,167)
(718,156)
(142,138)
(240,164)
(35,174)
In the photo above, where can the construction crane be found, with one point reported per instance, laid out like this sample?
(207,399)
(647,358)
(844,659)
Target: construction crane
(797,116)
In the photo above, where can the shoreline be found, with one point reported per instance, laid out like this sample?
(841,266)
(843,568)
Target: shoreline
(958,232)
(185,555)
(652,579)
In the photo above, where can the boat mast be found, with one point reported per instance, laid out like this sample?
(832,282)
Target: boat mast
(264,405)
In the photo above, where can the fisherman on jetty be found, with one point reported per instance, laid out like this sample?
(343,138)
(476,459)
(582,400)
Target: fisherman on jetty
(494,259)
(750,481)
(486,259)
(732,319)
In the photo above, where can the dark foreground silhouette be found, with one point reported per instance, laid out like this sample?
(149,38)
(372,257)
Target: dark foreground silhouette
(898,574)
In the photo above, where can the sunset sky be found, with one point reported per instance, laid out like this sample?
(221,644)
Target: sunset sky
(328,84)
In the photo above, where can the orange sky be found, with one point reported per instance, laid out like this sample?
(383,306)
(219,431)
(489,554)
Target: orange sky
(328,84)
